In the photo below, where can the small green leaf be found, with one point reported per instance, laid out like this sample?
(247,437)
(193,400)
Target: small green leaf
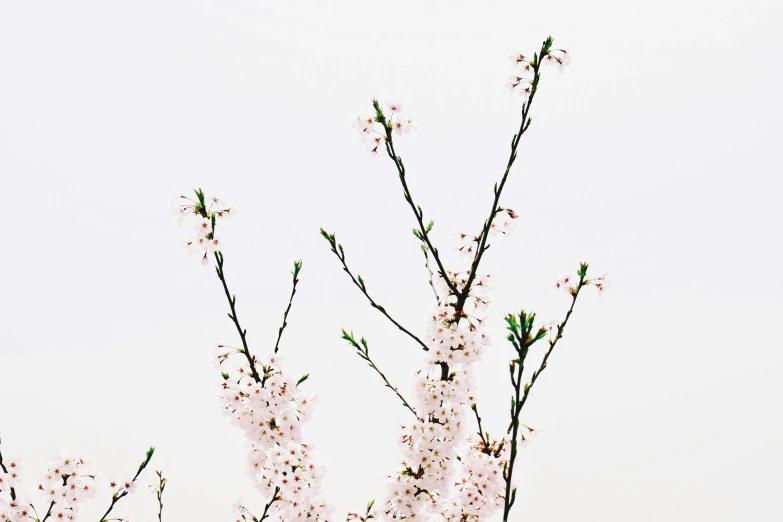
(512,323)
(582,269)
(541,333)
(349,337)
(326,235)
(302,379)
(548,43)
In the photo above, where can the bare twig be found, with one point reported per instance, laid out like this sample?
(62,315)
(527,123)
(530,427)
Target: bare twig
(359,282)
(295,273)
(232,301)
(363,350)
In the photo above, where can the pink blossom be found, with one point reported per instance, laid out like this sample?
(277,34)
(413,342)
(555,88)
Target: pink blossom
(394,107)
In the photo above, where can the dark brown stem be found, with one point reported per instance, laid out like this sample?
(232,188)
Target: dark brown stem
(269,504)
(116,498)
(359,282)
(478,420)
(363,350)
(393,388)
(482,247)
(233,316)
(416,210)
(295,273)
(521,394)
(523,126)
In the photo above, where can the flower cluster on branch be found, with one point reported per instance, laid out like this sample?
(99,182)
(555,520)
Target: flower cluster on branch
(449,469)
(67,483)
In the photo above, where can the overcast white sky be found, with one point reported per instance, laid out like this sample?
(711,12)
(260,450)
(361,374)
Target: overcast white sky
(655,157)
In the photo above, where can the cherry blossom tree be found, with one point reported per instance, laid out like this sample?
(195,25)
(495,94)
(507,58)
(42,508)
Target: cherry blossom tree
(451,468)
(448,471)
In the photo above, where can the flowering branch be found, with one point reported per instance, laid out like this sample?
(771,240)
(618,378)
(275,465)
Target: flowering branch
(363,350)
(268,505)
(262,401)
(462,295)
(417,211)
(295,273)
(206,239)
(454,345)
(271,410)
(66,484)
(522,340)
(5,470)
(523,126)
(52,503)
(359,282)
(360,517)
(127,486)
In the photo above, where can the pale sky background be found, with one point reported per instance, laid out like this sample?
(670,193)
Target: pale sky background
(655,157)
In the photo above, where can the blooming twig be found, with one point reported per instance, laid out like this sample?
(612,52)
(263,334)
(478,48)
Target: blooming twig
(270,410)
(523,126)
(522,339)
(417,211)
(126,488)
(268,505)
(430,443)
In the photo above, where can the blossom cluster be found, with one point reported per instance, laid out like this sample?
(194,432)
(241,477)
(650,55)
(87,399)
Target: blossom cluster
(566,283)
(521,82)
(480,492)
(502,225)
(66,484)
(445,472)
(441,466)
(271,412)
(265,404)
(375,130)
(205,215)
